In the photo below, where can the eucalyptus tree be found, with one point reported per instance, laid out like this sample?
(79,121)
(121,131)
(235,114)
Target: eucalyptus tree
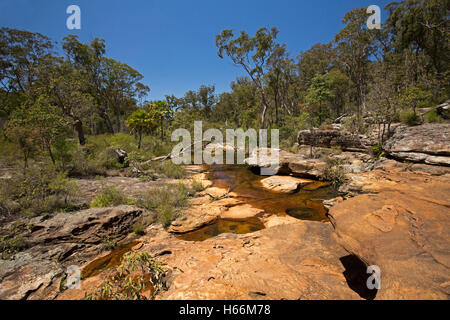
(354,46)
(115,86)
(317,60)
(161,112)
(253,55)
(140,122)
(22,55)
(422,26)
(207,99)
(280,76)
(120,85)
(88,59)
(319,94)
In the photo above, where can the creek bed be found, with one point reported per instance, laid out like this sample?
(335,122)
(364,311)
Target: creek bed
(305,204)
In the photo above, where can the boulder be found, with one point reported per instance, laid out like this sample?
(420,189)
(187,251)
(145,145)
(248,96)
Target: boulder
(289,261)
(300,165)
(333,138)
(241,212)
(427,143)
(86,226)
(284,184)
(57,242)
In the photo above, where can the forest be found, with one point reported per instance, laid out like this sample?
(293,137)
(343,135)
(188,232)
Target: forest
(385,74)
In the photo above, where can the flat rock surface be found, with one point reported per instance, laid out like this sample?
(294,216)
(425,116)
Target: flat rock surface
(284,184)
(291,261)
(402,224)
(244,211)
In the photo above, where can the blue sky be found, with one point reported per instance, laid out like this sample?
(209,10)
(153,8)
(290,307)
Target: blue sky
(172,43)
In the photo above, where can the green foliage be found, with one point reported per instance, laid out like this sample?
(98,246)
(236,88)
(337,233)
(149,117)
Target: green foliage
(37,191)
(108,244)
(166,201)
(12,239)
(197,186)
(432,116)
(318,94)
(110,197)
(415,97)
(378,151)
(171,170)
(138,273)
(141,121)
(410,118)
(422,25)
(85,165)
(11,244)
(38,125)
(334,172)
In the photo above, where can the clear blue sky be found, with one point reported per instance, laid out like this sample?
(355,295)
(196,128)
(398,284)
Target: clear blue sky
(172,43)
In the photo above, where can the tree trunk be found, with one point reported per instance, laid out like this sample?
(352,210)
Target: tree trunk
(49,149)
(140,140)
(79,129)
(117,112)
(108,122)
(263,116)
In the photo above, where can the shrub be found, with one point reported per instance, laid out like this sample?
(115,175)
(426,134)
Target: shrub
(171,170)
(11,245)
(84,164)
(38,190)
(139,227)
(378,151)
(197,186)
(137,273)
(108,244)
(410,118)
(334,173)
(433,116)
(13,241)
(110,197)
(166,202)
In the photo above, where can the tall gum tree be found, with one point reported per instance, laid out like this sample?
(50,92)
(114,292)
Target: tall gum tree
(252,54)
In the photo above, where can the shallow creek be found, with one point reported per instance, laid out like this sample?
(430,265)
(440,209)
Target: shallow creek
(305,204)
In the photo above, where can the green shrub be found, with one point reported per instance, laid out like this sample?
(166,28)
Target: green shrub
(410,118)
(139,227)
(108,244)
(378,151)
(197,186)
(166,214)
(171,170)
(432,116)
(84,164)
(10,245)
(12,240)
(38,190)
(137,273)
(10,153)
(334,172)
(110,197)
(166,202)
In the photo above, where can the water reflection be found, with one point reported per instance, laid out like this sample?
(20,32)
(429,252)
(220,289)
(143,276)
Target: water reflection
(305,204)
